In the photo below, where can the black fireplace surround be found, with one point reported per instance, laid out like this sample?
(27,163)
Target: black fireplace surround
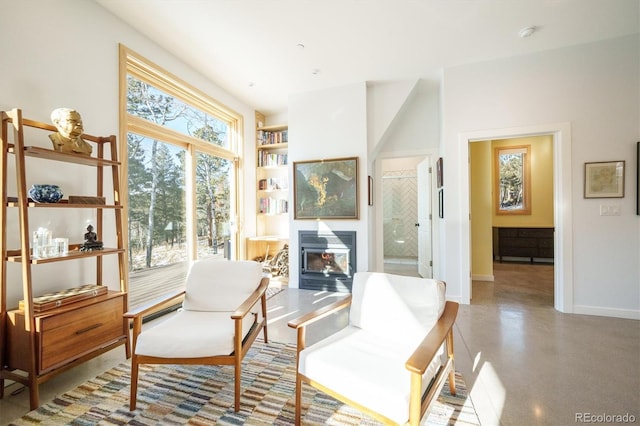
(327,260)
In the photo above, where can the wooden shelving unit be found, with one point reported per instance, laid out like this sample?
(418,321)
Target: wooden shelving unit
(37,346)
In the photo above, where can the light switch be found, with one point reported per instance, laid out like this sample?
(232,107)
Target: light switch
(609,210)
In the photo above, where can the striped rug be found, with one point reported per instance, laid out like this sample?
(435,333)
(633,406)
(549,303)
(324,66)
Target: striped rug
(203,395)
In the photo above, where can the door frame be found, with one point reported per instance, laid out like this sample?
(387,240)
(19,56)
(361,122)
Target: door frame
(425,196)
(378,246)
(562,182)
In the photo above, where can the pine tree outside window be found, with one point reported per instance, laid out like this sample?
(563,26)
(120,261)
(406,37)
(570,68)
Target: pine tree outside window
(181,158)
(512,180)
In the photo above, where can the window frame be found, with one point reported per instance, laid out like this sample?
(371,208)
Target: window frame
(526,177)
(133,64)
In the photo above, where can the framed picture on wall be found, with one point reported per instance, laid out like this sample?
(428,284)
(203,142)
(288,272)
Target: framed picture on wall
(326,189)
(439,172)
(604,179)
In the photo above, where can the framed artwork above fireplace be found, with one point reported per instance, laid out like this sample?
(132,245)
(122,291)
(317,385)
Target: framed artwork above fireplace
(326,189)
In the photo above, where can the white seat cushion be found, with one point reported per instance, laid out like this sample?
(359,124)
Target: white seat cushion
(191,334)
(360,366)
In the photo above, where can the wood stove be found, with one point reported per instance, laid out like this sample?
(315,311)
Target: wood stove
(327,260)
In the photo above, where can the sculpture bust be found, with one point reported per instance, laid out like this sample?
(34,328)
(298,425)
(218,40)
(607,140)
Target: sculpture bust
(69,125)
(91,240)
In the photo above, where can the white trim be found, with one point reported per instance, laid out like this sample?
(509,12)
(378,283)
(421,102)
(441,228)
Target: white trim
(606,312)
(488,278)
(563,236)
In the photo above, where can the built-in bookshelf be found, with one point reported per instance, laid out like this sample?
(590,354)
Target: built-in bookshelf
(272,190)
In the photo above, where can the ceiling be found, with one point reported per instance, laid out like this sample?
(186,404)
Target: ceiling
(261,51)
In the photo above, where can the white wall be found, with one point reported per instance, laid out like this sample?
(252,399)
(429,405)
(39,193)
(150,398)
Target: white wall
(322,125)
(65,53)
(593,87)
(417,126)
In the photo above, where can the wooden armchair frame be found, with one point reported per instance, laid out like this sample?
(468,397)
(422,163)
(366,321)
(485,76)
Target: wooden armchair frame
(241,346)
(419,403)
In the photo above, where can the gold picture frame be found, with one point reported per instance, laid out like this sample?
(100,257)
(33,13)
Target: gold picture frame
(326,189)
(512,180)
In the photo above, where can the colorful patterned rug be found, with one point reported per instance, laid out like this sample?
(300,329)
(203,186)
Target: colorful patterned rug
(203,395)
(272,291)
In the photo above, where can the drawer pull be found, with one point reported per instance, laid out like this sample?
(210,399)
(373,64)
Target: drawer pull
(91,327)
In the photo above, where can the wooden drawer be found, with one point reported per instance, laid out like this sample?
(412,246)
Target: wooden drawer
(523,242)
(535,232)
(508,243)
(63,335)
(75,333)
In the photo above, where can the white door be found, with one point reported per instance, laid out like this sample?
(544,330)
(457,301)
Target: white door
(424,219)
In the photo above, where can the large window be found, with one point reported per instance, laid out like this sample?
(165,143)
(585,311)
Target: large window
(181,161)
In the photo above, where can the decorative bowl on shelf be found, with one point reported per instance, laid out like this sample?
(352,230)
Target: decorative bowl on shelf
(45,193)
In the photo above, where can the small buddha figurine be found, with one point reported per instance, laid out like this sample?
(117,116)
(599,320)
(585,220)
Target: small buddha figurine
(69,125)
(91,241)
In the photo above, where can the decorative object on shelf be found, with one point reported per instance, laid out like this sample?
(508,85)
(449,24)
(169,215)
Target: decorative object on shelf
(62,245)
(326,189)
(78,199)
(65,297)
(42,245)
(91,240)
(68,138)
(45,193)
(604,179)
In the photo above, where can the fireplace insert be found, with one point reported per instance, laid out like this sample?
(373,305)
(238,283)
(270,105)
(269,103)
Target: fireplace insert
(327,260)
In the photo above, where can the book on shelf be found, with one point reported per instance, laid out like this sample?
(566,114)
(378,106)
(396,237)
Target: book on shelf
(271,159)
(273,206)
(266,137)
(273,184)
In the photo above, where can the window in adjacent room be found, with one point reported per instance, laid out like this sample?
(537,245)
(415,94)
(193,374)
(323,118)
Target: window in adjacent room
(512,180)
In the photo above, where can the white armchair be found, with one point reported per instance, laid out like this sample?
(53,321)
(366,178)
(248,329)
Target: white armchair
(395,354)
(219,320)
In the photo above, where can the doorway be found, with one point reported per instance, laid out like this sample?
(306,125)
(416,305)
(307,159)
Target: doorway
(401,212)
(563,265)
(518,230)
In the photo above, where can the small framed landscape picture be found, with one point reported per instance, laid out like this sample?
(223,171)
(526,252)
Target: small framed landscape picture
(604,179)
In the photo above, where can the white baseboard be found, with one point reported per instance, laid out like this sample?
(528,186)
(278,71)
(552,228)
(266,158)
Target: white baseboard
(607,312)
(482,278)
